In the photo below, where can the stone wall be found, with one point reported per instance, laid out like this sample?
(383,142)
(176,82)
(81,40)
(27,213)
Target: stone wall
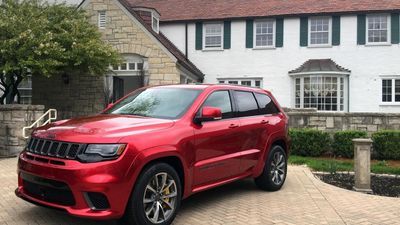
(12,119)
(82,95)
(128,38)
(370,122)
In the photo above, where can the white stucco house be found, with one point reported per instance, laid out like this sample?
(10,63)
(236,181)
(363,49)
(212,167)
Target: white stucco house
(331,55)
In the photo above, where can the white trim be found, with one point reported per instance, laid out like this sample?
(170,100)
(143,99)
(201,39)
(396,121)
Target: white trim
(273,46)
(393,94)
(329,44)
(388,27)
(204,37)
(156,29)
(320,73)
(102,19)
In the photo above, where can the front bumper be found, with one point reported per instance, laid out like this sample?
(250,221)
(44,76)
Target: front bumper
(105,178)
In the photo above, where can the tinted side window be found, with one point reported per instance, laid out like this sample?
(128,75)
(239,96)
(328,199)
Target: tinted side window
(267,106)
(247,105)
(222,100)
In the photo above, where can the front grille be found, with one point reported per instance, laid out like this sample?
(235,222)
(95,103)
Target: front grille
(55,148)
(47,190)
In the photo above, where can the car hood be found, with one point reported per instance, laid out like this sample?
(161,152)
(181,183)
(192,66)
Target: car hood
(103,128)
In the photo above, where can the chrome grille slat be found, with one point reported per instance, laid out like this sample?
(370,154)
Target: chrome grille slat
(55,149)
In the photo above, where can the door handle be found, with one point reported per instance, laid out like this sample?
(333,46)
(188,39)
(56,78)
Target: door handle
(233,125)
(264,121)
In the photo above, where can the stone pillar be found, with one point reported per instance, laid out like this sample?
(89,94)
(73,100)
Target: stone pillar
(12,119)
(362,165)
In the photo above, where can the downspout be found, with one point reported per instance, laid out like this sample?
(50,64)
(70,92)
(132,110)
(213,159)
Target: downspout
(186,40)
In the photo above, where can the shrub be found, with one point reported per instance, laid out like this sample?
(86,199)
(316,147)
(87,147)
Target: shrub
(387,144)
(309,142)
(342,145)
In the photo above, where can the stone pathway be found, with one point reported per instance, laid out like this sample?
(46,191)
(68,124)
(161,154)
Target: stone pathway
(303,200)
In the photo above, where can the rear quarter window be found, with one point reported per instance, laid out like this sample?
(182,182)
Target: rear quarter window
(266,104)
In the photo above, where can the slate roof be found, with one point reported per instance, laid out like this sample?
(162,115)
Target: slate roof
(319,65)
(180,10)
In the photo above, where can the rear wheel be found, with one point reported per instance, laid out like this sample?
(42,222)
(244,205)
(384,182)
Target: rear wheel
(155,198)
(275,170)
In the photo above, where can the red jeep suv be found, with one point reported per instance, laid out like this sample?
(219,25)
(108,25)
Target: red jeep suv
(142,155)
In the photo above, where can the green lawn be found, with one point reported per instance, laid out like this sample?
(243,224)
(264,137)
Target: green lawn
(333,165)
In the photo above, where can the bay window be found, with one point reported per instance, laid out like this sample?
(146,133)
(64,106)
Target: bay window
(323,92)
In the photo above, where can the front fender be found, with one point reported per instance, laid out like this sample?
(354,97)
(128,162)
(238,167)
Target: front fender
(147,156)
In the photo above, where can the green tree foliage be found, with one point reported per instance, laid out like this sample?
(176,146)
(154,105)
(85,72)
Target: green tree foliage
(37,38)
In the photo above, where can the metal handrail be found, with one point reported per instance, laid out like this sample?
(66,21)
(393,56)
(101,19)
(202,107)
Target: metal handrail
(52,115)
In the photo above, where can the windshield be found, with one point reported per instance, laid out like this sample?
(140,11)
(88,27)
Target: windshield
(165,103)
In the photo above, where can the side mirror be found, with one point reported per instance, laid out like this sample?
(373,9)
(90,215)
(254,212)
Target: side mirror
(209,114)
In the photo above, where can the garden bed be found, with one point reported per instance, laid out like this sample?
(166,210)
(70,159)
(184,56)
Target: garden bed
(384,185)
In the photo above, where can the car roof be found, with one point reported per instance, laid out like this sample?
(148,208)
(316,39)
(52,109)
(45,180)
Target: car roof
(214,86)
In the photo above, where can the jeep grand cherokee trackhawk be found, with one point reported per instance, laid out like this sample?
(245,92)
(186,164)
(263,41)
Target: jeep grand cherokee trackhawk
(137,159)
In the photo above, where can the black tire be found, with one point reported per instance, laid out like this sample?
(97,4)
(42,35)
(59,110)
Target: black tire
(271,174)
(135,211)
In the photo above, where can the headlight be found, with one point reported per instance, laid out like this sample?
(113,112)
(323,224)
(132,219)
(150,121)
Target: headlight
(101,152)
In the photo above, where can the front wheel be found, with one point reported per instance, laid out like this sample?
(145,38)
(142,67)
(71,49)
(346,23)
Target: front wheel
(156,197)
(275,170)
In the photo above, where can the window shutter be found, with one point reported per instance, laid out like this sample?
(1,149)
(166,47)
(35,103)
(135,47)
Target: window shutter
(249,33)
(336,30)
(303,31)
(227,34)
(199,36)
(395,28)
(279,33)
(361,29)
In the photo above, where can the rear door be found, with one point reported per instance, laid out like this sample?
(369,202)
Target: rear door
(252,128)
(217,143)
(260,127)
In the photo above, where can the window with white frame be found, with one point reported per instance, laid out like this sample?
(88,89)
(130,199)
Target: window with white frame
(378,29)
(323,92)
(245,82)
(213,35)
(102,19)
(155,23)
(391,90)
(320,29)
(264,33)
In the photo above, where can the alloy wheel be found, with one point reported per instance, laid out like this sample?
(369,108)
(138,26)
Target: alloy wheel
(278,167)
(160,196)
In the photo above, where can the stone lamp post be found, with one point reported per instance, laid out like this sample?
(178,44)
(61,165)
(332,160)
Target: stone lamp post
(362,165)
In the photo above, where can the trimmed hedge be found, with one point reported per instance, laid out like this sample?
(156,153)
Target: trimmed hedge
(309,142)
(387,144)
(342,145)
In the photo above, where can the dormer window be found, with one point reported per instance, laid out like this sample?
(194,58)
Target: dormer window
(155,23)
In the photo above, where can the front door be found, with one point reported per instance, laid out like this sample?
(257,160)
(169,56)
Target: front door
(217,143)
(118,88)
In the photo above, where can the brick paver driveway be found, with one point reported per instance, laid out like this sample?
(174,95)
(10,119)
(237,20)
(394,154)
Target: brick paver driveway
(303,200)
